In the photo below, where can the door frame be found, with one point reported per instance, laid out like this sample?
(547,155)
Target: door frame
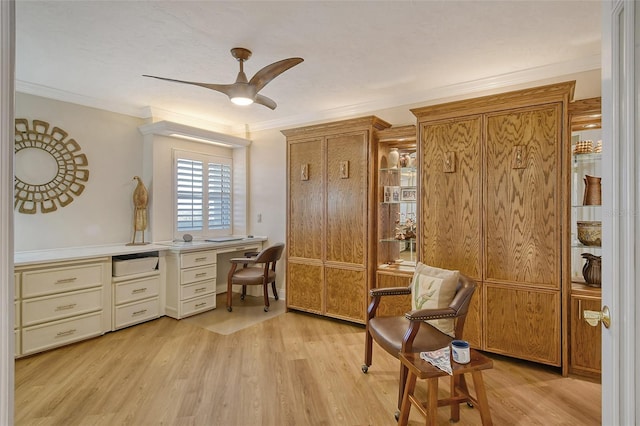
(620,221)
(7,128)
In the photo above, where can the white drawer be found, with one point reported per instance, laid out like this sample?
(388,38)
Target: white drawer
(197,289)
(198,258)
(133,313)
(16,339)
(130,291)
(59,306)
(56,280)
(16,286)
(200,304)
(58,333)
(16,316)
(197,274)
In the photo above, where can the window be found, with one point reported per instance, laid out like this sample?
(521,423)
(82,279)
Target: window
(203,194)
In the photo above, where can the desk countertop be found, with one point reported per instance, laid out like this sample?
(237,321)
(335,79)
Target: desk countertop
(23,258)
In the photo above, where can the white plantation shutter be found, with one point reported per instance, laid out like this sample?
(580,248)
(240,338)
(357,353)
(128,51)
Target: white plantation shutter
(190,195)
(204,194)
(219,196)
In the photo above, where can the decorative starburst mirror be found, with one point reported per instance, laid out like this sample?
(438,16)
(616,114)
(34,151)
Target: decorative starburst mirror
(49,168)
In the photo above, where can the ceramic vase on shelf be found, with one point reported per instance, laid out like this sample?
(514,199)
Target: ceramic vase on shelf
(592,270)
(394,157)
(592,191)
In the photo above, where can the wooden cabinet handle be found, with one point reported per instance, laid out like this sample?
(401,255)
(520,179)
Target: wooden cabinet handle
(66,280)
(66,307)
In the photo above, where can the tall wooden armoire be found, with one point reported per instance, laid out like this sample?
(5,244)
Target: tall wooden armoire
(494,182)
(331,222)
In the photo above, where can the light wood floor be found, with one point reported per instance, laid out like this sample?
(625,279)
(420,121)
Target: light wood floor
(294,369)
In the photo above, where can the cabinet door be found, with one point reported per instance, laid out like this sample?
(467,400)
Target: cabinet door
(473,323)
(522,196)
(306,200)
(305,288)
(346,293)
(586,341)
(347,198)
(450,201)
(523,323)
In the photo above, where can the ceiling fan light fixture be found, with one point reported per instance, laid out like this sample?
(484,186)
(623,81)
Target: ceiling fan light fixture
(241,100)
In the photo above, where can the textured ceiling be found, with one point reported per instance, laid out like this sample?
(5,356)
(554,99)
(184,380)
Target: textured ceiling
(358,56)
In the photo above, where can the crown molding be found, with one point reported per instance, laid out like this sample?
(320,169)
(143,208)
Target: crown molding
(425,97)
(468,88)
(64,96)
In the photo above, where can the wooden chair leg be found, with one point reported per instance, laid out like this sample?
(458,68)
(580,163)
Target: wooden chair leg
(404,371)
(244,292)
(266,296)
(275,292)
(368,350)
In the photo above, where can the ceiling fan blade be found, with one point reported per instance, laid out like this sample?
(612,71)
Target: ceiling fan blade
(222,88)
(263,100)
(268,73)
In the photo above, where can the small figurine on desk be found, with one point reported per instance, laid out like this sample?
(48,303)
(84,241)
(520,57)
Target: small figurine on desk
(140,201)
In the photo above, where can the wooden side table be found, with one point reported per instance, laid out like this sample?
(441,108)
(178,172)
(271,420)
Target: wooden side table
(420,369)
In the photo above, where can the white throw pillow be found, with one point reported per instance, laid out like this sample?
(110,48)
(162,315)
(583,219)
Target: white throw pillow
(433,288)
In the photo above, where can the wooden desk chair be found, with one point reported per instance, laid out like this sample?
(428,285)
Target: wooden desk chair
(410,333)
(256,270)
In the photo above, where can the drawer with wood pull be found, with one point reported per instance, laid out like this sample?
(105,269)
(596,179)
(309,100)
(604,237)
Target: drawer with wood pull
(136,312)
(197,274)
(199,304)
(56,280)
(130,291)
(58,333)
(49,308)
(197,289)
(198,258)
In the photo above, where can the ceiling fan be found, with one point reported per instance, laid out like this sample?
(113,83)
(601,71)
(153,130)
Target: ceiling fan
(243,91)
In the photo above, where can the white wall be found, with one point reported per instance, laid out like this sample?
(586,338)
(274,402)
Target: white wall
(103,213)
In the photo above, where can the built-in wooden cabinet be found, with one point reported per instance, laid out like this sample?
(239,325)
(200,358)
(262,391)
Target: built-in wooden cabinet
(331,222)
(493,187)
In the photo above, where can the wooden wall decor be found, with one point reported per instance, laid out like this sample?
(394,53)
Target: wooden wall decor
(50,169)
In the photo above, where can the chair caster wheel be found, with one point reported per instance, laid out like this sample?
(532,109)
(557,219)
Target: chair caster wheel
(470,405)
(229,308)
(242,297)
(365,368)
(397,415)
(276,298)
(266,309)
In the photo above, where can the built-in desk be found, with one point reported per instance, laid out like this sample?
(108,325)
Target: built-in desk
(70,294)
(197,271)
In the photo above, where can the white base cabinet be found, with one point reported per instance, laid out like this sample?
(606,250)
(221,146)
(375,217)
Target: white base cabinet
(60,303)
(191,283)
(136,298)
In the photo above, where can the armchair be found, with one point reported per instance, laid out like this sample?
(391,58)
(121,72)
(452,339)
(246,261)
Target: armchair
(410,333)
(257,269)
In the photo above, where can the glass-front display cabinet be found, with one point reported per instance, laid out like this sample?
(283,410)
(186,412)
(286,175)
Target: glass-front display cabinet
(586,235)
(398,197)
